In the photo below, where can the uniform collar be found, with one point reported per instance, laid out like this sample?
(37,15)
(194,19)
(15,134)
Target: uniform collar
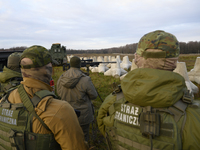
(34,83)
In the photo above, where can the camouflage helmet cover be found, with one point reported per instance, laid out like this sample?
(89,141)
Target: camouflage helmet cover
(39,55)
(158,40)
(13,60)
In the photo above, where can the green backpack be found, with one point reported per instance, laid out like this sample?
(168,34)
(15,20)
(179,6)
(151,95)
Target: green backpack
(9,85)
(145,128)
(16,124)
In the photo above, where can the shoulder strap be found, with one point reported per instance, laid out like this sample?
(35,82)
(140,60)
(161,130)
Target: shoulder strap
(6,95)
(119,96)
(39,95)
(178,109)
(28,104)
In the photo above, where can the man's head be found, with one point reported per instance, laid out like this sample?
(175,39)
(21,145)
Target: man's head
(158,50)
(75,62)
(35,63)
(13,61)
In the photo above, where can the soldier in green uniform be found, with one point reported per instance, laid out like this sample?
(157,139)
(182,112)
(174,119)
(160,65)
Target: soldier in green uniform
(152,108)
(11,75)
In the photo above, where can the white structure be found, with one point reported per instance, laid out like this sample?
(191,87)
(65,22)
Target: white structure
(115,70)
(100,69)
(126,64)
(112,58)
(69,57)
(118,57)
(122,77)
(100,59)
(182,70)
(94,58)
(109,58)
(94,69)
(106,59)
(194,74)
(133,66)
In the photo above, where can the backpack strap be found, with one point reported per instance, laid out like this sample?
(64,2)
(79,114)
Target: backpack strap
(29,105)
(6,95)
(178,109)
(39,95)
(119,96)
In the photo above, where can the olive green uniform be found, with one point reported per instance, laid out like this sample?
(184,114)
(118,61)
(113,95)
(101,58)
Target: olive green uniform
(119,117)
(8,79)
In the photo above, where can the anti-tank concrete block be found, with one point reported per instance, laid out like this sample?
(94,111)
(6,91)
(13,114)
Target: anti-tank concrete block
(125,64)
(194,74)
(182,70)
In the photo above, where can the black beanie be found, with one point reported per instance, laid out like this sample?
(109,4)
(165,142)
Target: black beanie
(75,62)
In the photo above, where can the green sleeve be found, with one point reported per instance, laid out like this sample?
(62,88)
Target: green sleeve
(191,131)
(103,119)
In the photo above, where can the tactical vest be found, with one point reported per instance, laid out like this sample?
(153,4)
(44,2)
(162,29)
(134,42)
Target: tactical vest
(10,84)
(16,124)
(146,128)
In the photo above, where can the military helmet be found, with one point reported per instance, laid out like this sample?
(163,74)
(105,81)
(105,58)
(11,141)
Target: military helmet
(75,62)
(13,61)
(39,55)
(158,40)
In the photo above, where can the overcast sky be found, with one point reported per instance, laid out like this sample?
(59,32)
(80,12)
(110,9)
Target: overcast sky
(94,24)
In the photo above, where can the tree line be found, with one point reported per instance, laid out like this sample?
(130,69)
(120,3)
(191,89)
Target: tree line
(185,48)
(21,48)
(192,47)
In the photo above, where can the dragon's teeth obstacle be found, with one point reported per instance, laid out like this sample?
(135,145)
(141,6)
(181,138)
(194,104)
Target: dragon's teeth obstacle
(182,70)
(194,74)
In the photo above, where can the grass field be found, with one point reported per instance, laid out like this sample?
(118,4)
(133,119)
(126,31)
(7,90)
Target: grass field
(104,86)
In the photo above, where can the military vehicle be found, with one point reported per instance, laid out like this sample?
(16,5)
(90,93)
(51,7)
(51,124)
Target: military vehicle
(58,53)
